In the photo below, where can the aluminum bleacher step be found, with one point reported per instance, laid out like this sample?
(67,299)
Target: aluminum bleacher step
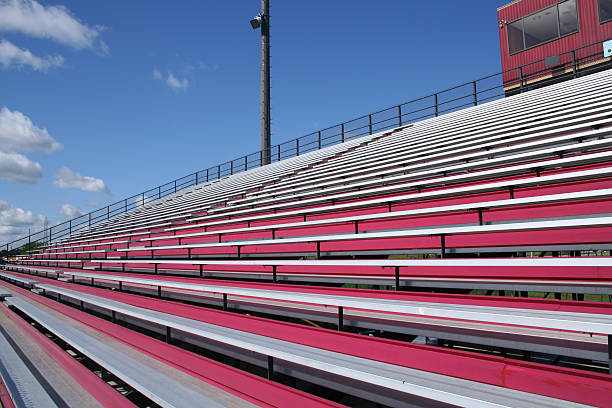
(377,375)
(140,376)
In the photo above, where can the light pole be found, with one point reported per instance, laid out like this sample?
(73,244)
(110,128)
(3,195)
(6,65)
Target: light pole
(262,20)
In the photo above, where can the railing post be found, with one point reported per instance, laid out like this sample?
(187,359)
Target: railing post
(475,93)
(399,115)
(196,178)
(231,167)
(219,172)
(297,147)
(108,212)
(370,122)
(143,198)
(246,163)
(342,132)
(207,175)
(125,205)
(158,192)
(69,227)
(319,140)
(574,67)
(436,104)
(278,149)
(90,220)
(521,78)
(175,186)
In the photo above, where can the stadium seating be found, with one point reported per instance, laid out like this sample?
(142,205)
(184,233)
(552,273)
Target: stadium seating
(258,274)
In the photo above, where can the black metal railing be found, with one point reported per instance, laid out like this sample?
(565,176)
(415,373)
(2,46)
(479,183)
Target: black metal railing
(573,63)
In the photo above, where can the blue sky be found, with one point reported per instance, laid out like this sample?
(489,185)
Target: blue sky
(138,93)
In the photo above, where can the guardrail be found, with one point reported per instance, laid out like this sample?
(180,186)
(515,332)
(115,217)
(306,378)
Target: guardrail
(574,63)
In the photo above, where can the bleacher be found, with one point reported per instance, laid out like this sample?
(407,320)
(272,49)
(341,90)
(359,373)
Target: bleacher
(463,260)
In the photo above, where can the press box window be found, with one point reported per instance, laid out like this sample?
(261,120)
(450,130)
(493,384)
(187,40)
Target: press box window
(543,26)
(605,10)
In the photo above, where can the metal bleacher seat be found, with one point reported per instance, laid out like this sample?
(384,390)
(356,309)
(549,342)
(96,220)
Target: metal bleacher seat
(513,196)
(411,312)
(349,362)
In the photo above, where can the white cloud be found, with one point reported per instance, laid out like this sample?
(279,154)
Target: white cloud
(53,22)
(68,179)
(19,134)
(14,222)
(13,56)
(70,210)
(172,81)
(17,167)
(175,83)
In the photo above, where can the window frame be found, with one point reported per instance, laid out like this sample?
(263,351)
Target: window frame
(559,36)
(599,17)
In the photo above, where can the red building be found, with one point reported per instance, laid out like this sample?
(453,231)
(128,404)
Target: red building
(545,41)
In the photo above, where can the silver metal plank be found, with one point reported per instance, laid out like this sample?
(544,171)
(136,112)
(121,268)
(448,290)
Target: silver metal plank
(447,192)
(22,385)
(159,388)
(410,381)
(541,200)
(459,262)
(478,229)
(580,322)
(26,281)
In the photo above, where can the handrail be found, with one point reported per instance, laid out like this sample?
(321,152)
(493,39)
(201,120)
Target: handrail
(574,63)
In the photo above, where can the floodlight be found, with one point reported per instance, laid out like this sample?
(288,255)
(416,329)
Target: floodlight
(256,22)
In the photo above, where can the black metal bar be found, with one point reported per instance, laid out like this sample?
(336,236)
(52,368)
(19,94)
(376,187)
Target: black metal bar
(574,67)
(475,93)
(225,301)
(399,115)
(274,273)
(270,367)
(297,147)
(159,295)
(397,278)
(521,77)
(319,140)
(436,104)
(442,246)
(610,353)
(342,132)
(340,318)
(370,122)
(168,334)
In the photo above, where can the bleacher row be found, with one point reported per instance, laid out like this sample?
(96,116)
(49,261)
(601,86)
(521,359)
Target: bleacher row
(249,291)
